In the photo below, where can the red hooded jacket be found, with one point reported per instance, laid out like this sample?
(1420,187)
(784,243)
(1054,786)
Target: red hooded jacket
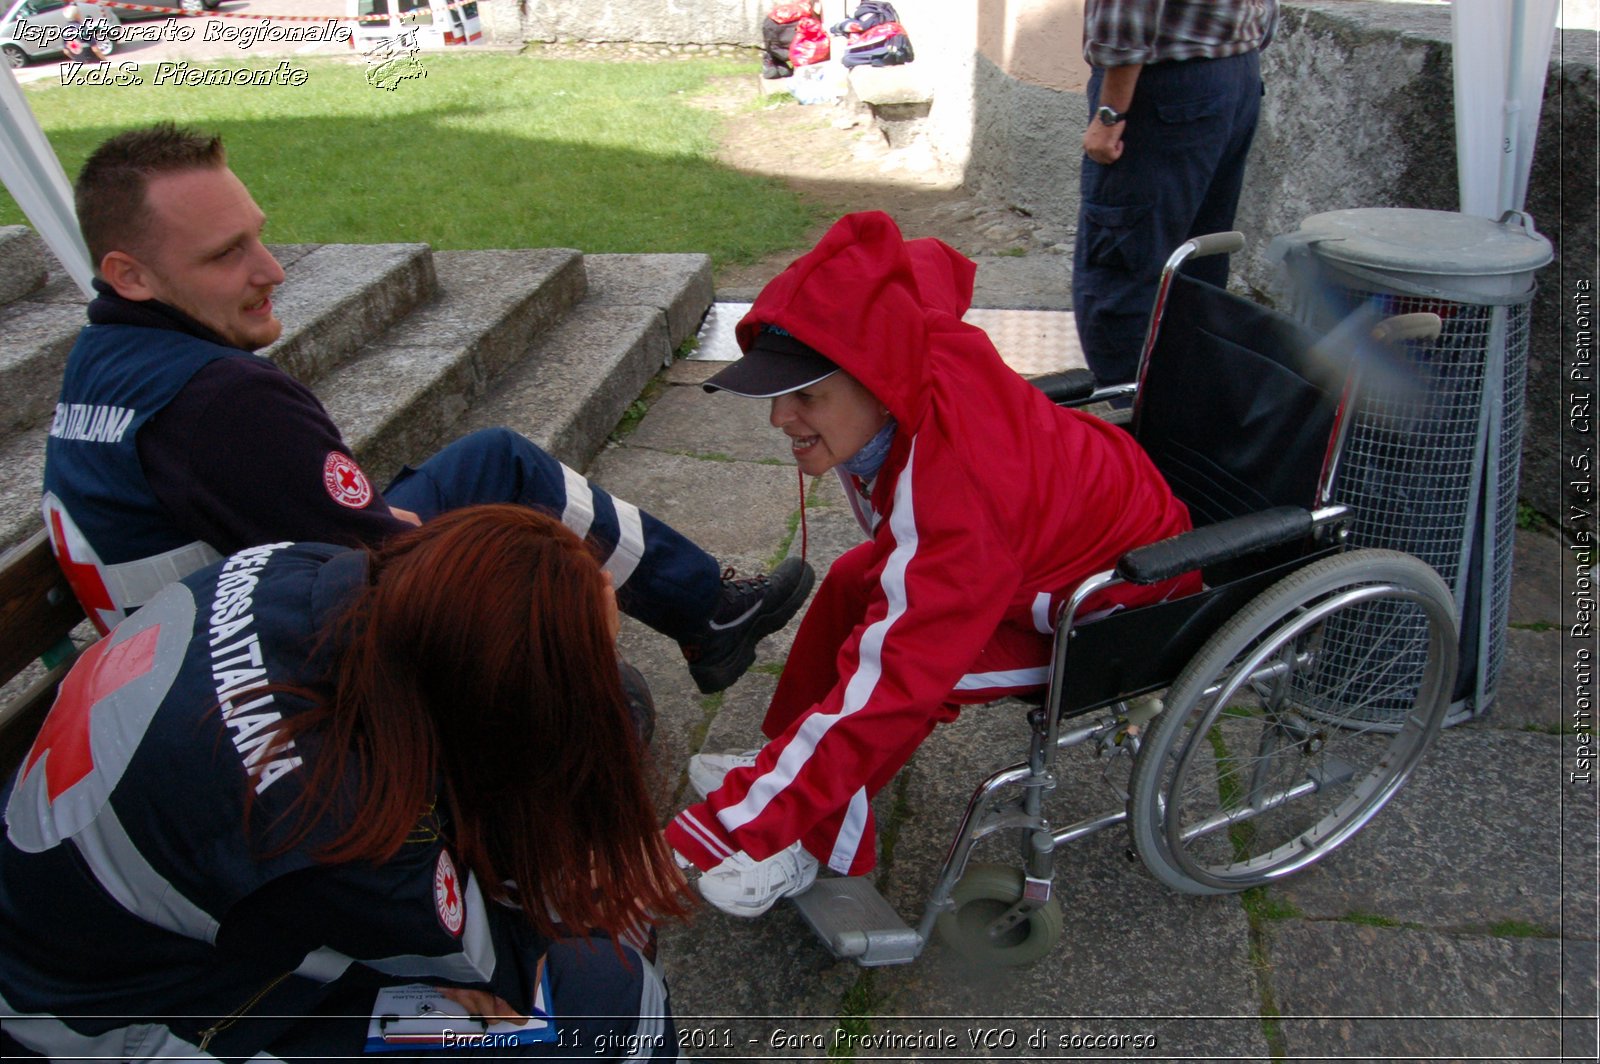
(992,506)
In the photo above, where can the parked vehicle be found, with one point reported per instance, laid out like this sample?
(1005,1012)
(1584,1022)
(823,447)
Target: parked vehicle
(188,7)
(34,29)
(436,22)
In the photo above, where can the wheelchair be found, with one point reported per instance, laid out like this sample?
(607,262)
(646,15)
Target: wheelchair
(1270,715)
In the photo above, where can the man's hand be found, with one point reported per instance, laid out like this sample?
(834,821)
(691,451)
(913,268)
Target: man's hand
(1103,143)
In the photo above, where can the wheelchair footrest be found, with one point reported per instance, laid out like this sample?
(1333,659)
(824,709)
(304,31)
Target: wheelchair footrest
(853,920)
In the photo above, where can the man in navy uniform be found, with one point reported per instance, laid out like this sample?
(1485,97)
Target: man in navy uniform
(173,445)
(1173,103)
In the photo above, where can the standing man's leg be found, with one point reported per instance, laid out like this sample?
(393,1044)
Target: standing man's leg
(1188,133)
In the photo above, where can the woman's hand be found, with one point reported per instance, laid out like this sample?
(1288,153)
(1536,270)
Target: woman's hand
(490,1007)
(481,1003)
(613,615)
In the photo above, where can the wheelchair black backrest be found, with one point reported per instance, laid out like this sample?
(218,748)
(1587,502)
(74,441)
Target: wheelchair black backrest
(1234,407)
(1238,408)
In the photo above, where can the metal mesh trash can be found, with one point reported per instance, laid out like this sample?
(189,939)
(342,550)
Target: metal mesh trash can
(1431,462)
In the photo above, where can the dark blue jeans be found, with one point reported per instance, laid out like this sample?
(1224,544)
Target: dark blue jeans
(1184,149)
(662,579)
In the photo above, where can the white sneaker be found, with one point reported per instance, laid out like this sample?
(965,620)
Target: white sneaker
(743,886)
(707,771)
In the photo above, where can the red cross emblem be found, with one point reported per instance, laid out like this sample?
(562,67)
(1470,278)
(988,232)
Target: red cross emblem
(347,485)
(84,578)
(103,670)
(98,723)
(447,895)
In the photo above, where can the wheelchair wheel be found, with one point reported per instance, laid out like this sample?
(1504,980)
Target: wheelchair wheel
(1295,723)
(982,896)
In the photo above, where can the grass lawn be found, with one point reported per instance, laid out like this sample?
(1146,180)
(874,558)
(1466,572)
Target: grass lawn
(486,151)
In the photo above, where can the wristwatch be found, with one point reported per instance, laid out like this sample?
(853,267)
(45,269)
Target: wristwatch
(1110,116)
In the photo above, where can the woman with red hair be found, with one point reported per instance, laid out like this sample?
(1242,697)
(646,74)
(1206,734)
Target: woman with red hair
(309,773)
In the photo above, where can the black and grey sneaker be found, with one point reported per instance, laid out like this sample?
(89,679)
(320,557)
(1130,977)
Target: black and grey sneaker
(751,607)
(641,706)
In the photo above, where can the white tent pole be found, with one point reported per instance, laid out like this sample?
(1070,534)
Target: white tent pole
(34,177)
(1511,112)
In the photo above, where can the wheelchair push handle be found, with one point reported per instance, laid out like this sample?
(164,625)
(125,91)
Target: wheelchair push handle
(1216,244)
(1424,325)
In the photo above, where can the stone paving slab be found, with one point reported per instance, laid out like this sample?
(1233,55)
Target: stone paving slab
(715,425)
(1469,842)
(1346,990)
(1533,689)
(1537,560)
(737,511)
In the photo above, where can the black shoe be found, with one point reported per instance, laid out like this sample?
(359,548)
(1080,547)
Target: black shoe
(640,705)
(750,608)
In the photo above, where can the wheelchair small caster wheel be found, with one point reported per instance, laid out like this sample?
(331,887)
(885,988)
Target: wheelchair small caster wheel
(981,897)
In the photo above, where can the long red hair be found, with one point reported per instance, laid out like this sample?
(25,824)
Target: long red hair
(477,670)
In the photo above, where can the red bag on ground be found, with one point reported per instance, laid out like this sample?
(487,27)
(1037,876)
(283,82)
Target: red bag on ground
(810,43)
(783,13)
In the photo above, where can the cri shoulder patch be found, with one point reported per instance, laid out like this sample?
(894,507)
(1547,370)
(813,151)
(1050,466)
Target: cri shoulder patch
(448,900)
(346,483)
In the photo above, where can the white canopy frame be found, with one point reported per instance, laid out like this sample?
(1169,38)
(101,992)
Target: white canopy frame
(34,177)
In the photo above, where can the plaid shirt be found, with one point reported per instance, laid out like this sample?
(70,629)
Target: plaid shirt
(1128,32)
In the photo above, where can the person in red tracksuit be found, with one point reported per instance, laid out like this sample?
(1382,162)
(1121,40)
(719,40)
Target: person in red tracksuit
(984,504)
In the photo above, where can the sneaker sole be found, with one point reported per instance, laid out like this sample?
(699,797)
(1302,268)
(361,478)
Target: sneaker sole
(719,677)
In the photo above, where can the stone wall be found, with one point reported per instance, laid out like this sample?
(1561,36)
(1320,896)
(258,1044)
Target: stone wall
(669,21)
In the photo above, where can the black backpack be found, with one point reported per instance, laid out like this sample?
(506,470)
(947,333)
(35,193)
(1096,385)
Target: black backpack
(868,14)
(889,51)
(871,12)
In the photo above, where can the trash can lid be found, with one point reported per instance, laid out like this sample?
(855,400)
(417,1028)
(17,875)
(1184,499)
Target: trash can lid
(1442,243)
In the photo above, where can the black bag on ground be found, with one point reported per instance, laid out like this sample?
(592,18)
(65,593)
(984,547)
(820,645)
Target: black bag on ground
(776,37)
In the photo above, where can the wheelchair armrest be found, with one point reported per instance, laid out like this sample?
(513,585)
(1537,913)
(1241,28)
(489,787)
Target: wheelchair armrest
(1220,542)
(1066,386)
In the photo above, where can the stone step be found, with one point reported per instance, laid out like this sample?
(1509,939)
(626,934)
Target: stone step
(21,481)
(404,394)
(24,262)
(579,379)
(326,316)
(336,297)
(506,337)
(34,340)
(677,285)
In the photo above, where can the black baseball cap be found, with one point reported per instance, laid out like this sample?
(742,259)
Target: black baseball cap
(776,364)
